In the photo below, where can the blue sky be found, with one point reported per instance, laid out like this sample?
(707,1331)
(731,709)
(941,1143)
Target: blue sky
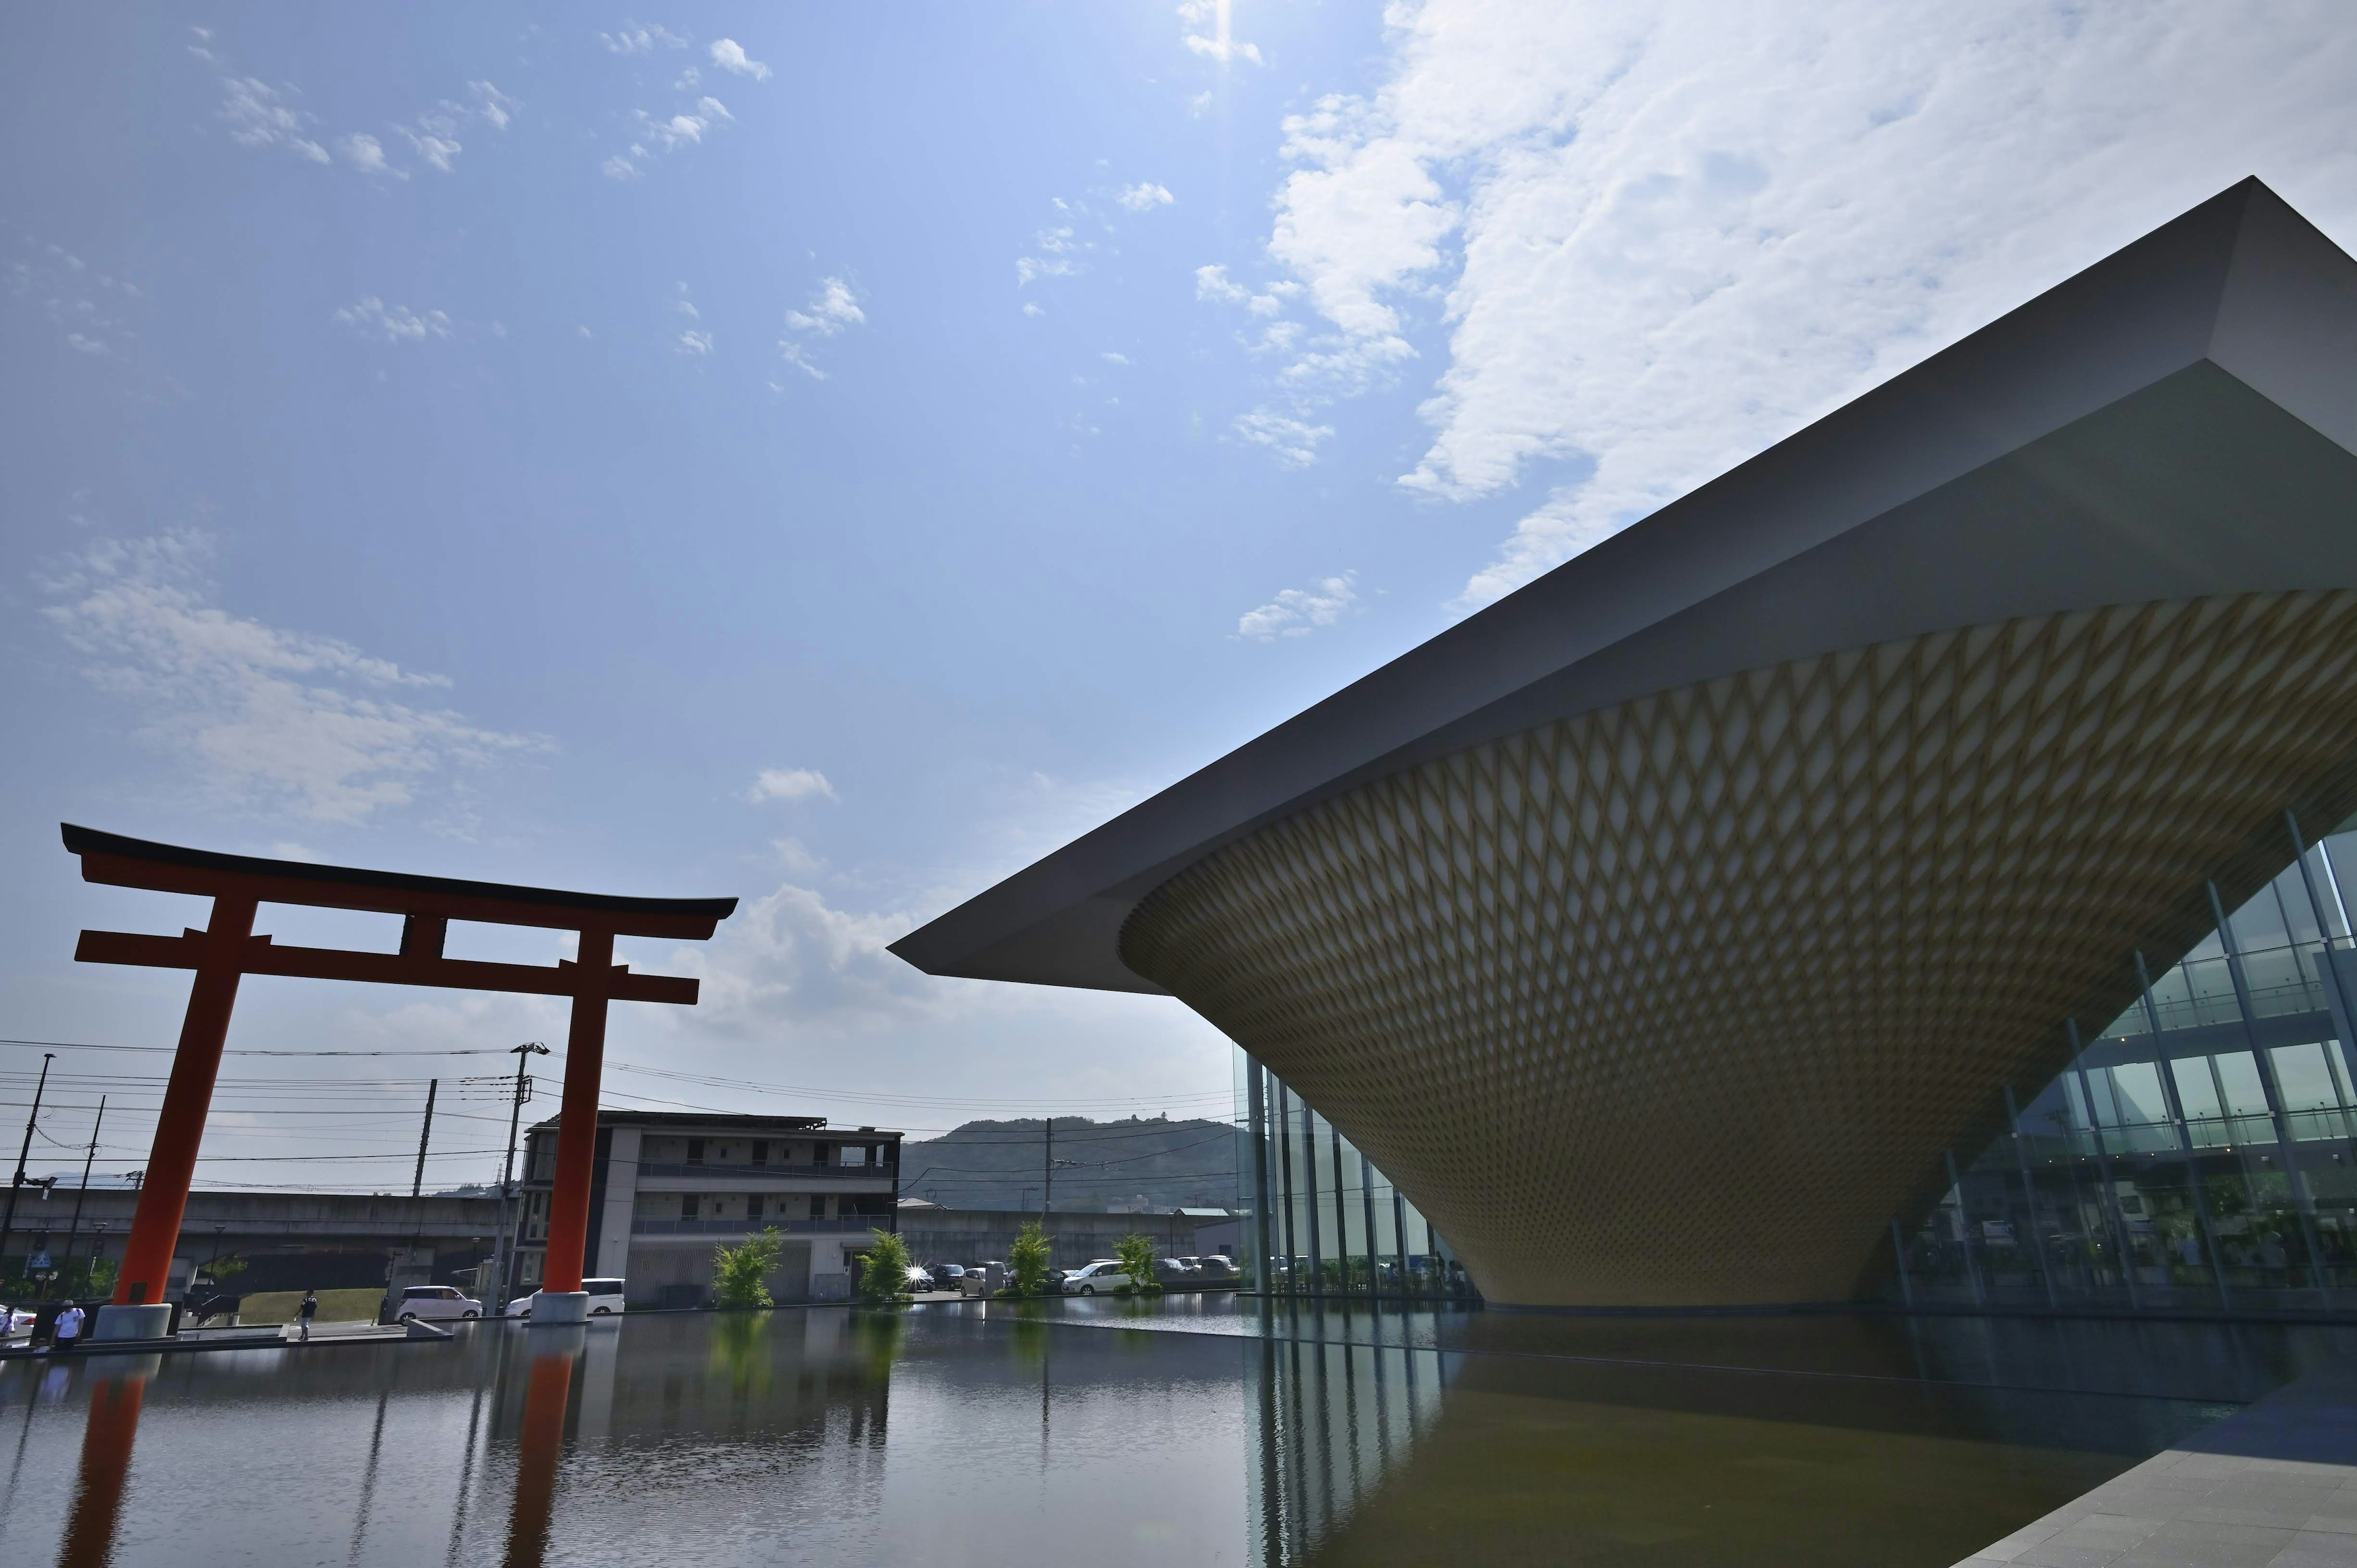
(835,457)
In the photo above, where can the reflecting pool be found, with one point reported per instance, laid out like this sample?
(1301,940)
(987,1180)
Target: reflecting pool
(1191,1431)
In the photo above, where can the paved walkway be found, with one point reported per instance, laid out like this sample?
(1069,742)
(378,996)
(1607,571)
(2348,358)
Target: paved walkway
(2274,1485)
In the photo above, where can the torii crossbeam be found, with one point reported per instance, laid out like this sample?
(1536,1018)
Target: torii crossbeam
(227,950)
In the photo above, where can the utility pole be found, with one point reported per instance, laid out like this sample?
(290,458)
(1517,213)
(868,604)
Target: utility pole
(16,1182)
(1047,1167)
(417,1182)
(504,1258)
(75,1228)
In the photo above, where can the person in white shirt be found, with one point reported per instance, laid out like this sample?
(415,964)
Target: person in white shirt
(69,1327)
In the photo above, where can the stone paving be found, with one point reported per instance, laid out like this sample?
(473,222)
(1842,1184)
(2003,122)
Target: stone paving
(2270,1487)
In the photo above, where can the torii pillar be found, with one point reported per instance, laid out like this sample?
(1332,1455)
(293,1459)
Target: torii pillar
(227,951)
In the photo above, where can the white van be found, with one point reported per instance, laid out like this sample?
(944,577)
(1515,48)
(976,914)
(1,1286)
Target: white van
(604,1299)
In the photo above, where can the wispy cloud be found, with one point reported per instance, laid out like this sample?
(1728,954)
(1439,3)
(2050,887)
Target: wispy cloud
(270,717)
(1144,196)
(366,153)
(258,116)
(695,342)
(832,309)
(373,317)
(1659,237)
(1059,252)
(635,39)
(790,784)
(1220,42)
(1297,612)
(1293,442)
(729,55)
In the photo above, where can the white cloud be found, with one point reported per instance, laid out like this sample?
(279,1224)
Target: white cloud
(620,167)
(1143,196)
(790,784)
(1220,44)
(832,309)
(634,39)
(679,130)
(272,717)
(496,107)
(1213,283)
(373,317)
(1031,307)
(1111,357)
(1297,612)
(692,342)
(729,55)
(257,117)
(366,153)
(1294,441)
(1661,237)
(430,139)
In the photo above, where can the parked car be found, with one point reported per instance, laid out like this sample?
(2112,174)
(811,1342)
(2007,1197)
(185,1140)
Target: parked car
(431,1302)
(15,1320)
(950,1276)
(979,1279)
(1101,1278)
(1176,1271)
(604,1299)
(1214,1266)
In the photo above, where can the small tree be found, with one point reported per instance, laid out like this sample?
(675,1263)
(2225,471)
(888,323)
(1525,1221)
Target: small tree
(1027,1260)
(739,1274)
(884,1272)
(1136,1253)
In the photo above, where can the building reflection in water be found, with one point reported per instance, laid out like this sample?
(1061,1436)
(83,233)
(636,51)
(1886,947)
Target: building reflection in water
(1512,1438)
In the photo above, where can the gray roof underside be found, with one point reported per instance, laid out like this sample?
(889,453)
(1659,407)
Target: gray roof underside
(2180,419)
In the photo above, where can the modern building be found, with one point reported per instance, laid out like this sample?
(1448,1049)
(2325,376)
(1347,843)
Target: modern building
(669,1187)
(1679,930)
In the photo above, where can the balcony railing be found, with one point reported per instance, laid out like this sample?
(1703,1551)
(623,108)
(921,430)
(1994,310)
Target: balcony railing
(773,1173)
(840,1225)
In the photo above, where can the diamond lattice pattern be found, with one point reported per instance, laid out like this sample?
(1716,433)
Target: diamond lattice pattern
(1677,1002)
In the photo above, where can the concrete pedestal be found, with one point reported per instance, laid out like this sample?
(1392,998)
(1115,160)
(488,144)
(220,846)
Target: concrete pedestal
(562,1308)
(117,1322)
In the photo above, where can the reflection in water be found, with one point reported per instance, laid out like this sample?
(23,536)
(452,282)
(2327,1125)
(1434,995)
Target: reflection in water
(1363,1436)
(108,1435)
(541,1443)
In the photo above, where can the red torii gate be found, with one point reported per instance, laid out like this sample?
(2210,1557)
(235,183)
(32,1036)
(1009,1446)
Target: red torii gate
(227,950)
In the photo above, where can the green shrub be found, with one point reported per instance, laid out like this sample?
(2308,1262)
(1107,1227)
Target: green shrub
(1027,1260)
(739,1274)
(1135,1254)
(884,1272)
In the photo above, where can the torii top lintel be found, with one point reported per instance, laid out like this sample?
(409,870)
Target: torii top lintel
(429,904)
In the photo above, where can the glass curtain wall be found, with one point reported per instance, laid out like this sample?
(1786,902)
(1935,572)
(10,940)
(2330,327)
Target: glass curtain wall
(2199,1153)
(1320,1219)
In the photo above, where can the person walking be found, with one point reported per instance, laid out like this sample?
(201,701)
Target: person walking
(67,1329)
(309,1310)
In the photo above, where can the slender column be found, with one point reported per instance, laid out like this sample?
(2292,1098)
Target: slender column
(1341,1216)
(2332,974)
(1310,1171)
(1964,1230)
(2111,1197)
(1284,1177)
(1899,1252)
(1257,1113)
(1367,1200)
(577,1131)
(181,1126)
(2303,1204)
(2029,1195)
(1399,1237)
(2168,1089)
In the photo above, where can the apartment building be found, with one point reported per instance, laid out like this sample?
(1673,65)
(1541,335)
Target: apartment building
(670,1187)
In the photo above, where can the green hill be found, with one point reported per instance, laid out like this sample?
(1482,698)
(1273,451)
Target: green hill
(998,1164)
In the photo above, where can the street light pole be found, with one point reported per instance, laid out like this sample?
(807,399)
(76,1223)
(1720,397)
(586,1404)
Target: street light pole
(16,1182)
(503,1262)
(83,1195)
